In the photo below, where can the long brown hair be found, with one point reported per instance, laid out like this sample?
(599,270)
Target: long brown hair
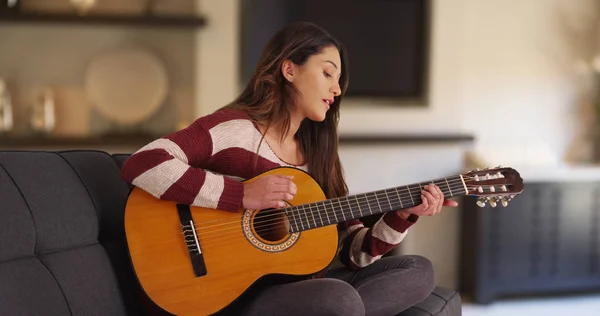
(269,99)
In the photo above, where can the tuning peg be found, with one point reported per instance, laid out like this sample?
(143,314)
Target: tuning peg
(504,188)
(481,203)
(504,202)
(476,177)
(493,203)
(500,175)
(480,189)
(492,189)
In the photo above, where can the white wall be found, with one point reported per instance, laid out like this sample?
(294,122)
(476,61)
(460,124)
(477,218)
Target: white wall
(499,69)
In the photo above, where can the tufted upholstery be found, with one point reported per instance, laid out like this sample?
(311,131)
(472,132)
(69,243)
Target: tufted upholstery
(62,248)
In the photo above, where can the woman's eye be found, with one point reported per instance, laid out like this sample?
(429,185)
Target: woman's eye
(326,74)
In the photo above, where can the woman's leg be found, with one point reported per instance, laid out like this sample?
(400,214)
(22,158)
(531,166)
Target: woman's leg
(310,297)
(391,284)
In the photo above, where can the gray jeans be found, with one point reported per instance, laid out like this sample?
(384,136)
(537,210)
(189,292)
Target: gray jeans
(386,287)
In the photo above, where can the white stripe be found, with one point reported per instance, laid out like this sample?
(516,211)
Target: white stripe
(348,231)
(159,179)
(242,134)
(382,231)
(168,145)
(357,256)
(211,191)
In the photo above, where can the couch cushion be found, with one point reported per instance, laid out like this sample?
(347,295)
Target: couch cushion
(441,302)
(62,244)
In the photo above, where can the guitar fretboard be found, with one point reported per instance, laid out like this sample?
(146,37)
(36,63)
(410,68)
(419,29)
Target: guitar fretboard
(338,210)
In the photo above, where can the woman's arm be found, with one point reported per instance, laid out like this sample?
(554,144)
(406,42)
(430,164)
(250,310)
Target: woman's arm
(361,246)
(168,168)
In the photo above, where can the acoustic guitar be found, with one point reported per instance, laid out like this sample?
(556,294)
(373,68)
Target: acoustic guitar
(193,260)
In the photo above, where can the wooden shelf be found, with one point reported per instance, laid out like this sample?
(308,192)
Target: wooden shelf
(163,21)
(391,139)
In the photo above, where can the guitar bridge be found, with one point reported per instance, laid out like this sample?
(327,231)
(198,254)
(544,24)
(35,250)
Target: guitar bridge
(188,229)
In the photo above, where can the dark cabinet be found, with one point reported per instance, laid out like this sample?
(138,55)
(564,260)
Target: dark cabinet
(547,240)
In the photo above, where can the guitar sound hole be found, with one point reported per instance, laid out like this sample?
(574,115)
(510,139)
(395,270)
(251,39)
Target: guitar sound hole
(271,225)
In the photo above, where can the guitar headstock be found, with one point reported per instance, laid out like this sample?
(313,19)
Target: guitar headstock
(493,185)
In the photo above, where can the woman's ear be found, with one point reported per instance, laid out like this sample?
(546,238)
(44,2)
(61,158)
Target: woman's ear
(288,70)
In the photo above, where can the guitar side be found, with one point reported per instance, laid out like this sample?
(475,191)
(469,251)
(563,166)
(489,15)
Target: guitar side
(234,258)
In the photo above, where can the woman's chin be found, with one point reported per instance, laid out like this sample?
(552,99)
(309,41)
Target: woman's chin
(320,117)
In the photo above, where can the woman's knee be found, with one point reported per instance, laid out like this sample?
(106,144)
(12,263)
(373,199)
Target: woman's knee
(335,297)
(424,273)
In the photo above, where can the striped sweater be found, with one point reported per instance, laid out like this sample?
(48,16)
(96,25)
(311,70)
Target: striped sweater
(203,165)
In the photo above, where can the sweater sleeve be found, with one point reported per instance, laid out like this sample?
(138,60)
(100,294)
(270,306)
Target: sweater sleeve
(170,168)
(361,246)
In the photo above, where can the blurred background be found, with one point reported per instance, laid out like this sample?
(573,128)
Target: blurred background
(437,88)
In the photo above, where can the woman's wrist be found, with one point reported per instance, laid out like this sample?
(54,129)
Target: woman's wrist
(402,214)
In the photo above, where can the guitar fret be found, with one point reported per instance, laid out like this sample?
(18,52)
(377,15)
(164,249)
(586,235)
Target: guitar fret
(319,213)
(359,209)
(327,212)
(448,185)
(335,212)
(312,214)
(306,215)
(294,217)
(300,217)
(411,197)
(377,199)
(349,207)
(399,197)
(388,199)
(369,205)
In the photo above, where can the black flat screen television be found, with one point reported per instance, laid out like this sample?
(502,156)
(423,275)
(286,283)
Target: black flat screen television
(387,40)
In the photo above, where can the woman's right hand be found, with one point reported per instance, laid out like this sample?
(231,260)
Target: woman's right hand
(268,192)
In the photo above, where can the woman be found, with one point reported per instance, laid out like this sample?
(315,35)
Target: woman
(287,116)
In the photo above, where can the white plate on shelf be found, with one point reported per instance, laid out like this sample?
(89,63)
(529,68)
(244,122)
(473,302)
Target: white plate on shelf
(126,86)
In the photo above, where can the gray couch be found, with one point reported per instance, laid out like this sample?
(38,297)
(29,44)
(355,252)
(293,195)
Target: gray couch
(62,241)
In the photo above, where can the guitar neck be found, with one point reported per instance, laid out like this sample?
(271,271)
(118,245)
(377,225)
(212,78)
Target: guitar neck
(342,209)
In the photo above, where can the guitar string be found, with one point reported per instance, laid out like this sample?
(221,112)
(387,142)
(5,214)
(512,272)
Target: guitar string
(277,214)
(221,239)
(211,233)
(228,236)
(337,213)
(401,194)
(210,236)
(266,224)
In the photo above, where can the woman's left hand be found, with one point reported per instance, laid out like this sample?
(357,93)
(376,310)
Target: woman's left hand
(433,200)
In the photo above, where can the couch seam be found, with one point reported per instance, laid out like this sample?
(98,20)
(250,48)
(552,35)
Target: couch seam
(441,309)
(36,237)
(420,309)
(26,203)
(88,192)
(446,301)
(57,284)
(52,252)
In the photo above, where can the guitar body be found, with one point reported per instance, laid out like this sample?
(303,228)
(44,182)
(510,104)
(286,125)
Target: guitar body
(235,251)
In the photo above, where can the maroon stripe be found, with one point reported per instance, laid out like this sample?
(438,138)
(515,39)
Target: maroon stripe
(232,196)
(239,162)
(375,246)
(141,162)
(186,188)
(222,116)
(195,142)
(397,223)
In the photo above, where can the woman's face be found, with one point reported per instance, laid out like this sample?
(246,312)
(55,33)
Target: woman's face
(317,82)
